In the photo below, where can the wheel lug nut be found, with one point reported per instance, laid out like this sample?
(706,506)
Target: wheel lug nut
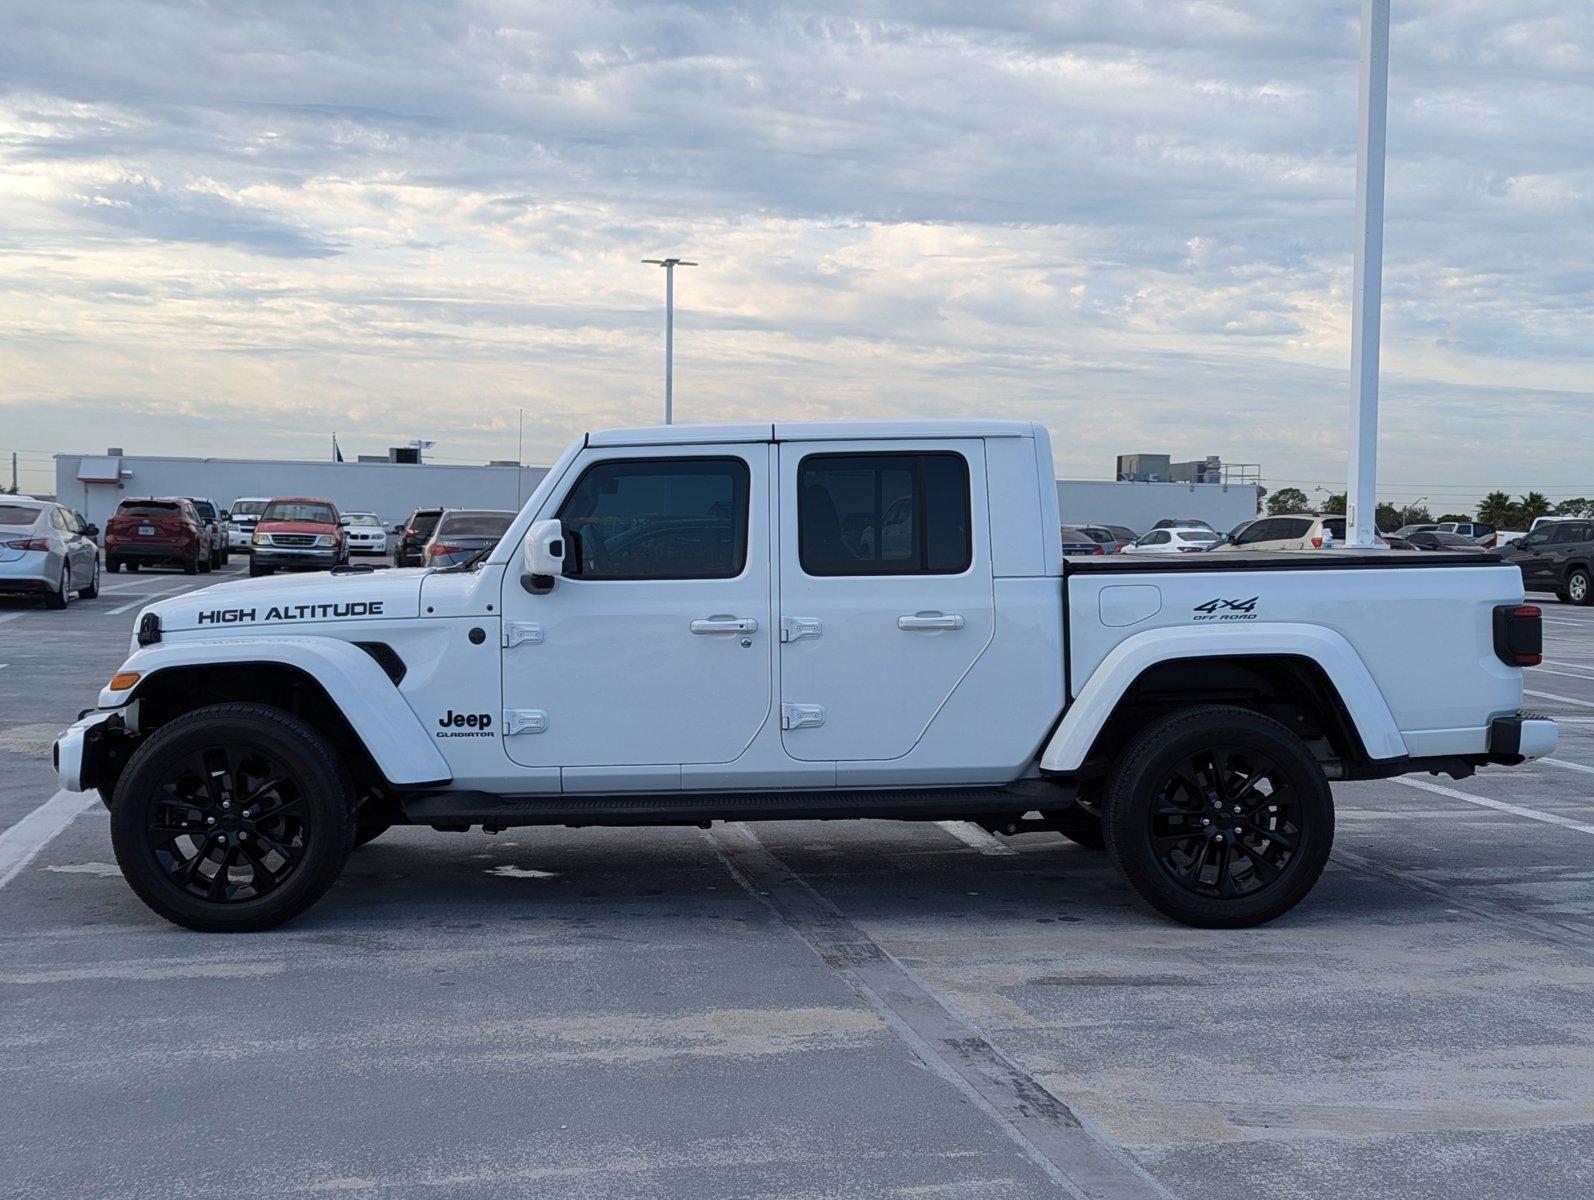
(1206,820)
(226,803)
(1236,808)
(243,834)
(210,820)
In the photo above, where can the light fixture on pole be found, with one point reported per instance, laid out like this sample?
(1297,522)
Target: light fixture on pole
(1361,491)
(669,265)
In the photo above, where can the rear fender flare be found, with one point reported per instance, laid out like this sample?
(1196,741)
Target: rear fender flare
(1076,733)
(367,698)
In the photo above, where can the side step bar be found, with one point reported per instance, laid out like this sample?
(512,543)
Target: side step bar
(454,808)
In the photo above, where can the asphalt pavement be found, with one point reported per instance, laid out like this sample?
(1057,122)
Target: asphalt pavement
(806,1009)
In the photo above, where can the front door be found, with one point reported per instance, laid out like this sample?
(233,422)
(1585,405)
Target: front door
(654,649)
(885,591)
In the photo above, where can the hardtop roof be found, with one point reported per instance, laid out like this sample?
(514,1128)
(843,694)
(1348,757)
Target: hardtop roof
(810,431)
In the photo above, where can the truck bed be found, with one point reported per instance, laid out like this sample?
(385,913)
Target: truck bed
(1274,560)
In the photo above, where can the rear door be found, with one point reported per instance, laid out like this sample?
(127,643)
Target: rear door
(886,595)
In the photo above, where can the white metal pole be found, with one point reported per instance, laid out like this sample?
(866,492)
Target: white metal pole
(1361,493)
(669,342)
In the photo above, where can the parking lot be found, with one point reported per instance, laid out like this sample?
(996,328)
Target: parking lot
(801,1010)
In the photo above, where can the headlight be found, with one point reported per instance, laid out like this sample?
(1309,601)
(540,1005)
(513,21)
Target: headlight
(323,539)
(261,539)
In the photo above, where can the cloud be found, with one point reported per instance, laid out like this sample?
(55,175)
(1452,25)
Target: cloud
(1130,220)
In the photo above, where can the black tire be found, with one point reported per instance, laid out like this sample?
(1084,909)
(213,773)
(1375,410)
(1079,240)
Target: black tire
(256,570)
(207,564)
(62,595)
(93,589)
(1578,587)
(112,564)
(368,829)
(1225,790)
(191,565)
(132,568)
(265,759)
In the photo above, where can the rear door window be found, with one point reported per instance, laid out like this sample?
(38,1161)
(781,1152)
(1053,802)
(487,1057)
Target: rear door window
(885,514)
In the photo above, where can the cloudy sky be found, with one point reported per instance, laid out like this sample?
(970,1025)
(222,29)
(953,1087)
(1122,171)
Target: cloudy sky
(233,229)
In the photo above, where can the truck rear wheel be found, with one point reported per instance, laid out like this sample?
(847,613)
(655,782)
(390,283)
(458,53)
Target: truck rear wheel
(1219,817)
(232,818)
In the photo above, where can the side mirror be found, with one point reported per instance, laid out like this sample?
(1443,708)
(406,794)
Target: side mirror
(543,556)
(226,515)
(92,531)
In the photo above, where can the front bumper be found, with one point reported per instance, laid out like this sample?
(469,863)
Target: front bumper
(92,751)
(368,547)
(321,558)
(1521,736)
(238,539)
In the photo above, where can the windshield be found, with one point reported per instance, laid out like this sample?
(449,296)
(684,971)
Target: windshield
(365,520)
(148,508)
(474,524)
(248,508)
(17,514)
(299,510)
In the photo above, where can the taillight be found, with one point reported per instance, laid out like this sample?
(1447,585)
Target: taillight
(1519,634)
(29,544)
(444,548)
(1098,550)
(410,533)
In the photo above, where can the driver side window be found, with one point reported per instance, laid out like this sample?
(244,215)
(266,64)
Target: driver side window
(651,518)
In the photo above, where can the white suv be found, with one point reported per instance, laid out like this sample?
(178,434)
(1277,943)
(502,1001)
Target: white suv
(241,520)
(1291,531)
(1179,540)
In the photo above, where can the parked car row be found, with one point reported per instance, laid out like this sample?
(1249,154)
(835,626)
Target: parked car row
(445,537)
(1287,531)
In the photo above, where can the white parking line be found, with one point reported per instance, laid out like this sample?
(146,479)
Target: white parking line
(1570,766)
(20,844)
(974,836)
(1564,674)
(1555,662)
(1562,699)
(151,596)
(1484,802)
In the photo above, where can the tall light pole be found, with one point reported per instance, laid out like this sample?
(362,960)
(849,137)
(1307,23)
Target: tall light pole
(669,265)
(1361,491)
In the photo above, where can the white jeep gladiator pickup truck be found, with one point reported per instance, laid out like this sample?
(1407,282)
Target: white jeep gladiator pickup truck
(807,621)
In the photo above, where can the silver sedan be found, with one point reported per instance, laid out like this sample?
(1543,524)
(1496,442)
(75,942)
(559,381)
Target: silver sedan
(47,551)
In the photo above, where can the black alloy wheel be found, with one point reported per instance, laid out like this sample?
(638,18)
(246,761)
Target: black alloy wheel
(228,825)
(233,817)
(1219,817)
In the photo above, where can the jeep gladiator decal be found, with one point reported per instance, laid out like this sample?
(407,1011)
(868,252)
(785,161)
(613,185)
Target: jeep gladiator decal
(293,612)
(465,725)
(1226,610)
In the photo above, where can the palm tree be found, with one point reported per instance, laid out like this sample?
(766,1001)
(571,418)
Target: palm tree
(1534,505)
(1496,508)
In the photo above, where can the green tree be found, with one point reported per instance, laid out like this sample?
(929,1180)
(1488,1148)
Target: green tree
(1532,506)
(1575,508)
(1447,517)
(1389,517)
(1286,500)
(1496,508)
(1335,504)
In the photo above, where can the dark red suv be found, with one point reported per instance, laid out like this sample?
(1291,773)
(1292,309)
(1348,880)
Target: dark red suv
(157,530)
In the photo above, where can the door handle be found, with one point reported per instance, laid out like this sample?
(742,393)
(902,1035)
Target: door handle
(718,624)
(929,621)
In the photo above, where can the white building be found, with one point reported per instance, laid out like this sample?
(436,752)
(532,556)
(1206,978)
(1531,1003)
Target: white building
(93,484)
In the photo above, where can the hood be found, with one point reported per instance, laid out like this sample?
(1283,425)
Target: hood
(288,602)
(294,527)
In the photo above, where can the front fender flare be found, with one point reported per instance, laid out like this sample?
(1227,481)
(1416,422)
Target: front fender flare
(1132,657)
(366,697)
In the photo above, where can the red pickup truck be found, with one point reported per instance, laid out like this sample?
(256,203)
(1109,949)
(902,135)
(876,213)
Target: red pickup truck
(298,532)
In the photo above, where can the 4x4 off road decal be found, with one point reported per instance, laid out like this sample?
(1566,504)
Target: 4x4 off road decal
(1226,610)
(292,612)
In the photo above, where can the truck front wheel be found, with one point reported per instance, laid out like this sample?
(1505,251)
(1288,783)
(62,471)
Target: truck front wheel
(234,817)
(1219,817)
